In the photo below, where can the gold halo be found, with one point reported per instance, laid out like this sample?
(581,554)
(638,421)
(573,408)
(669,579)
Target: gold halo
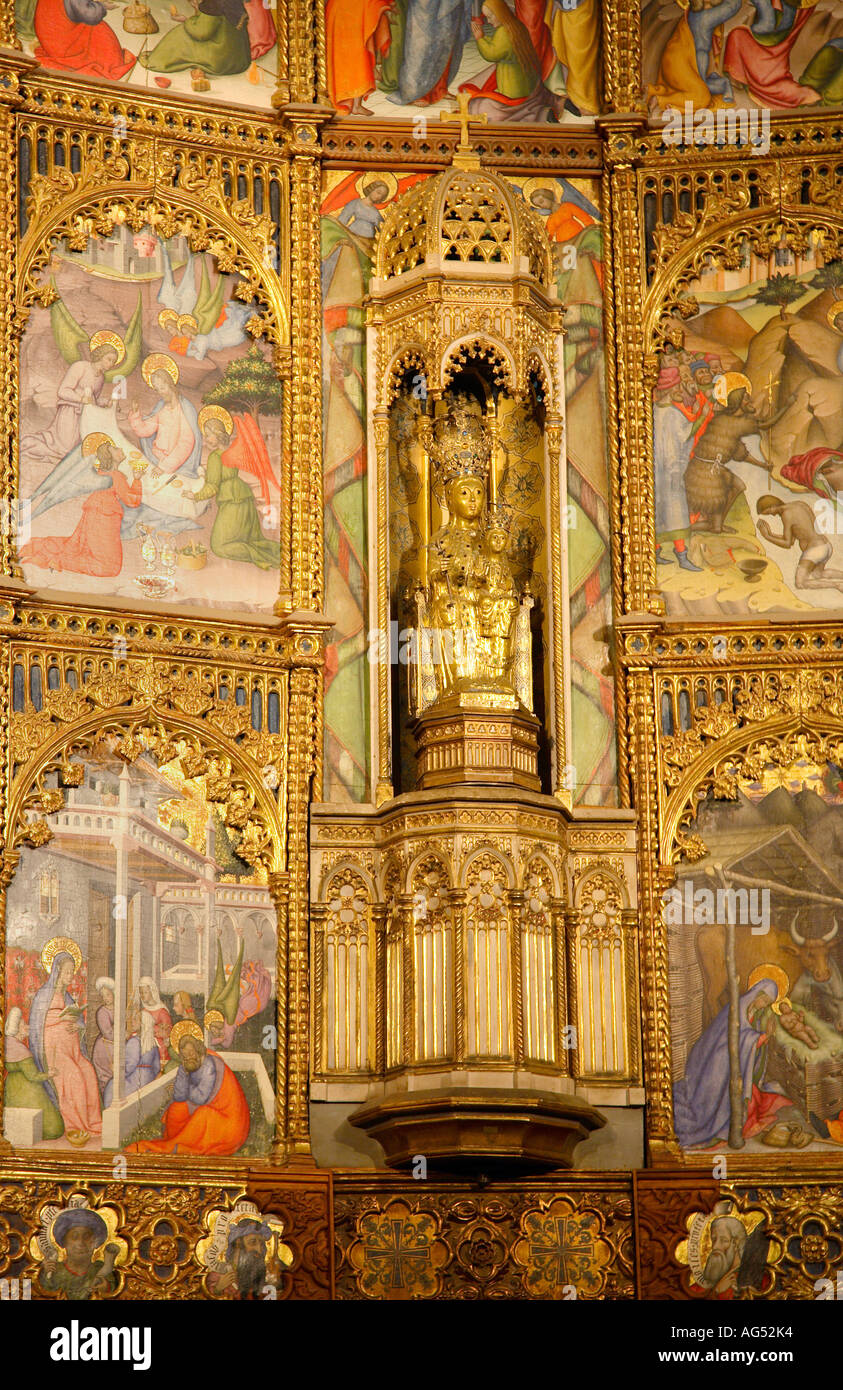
(186,1027)
(216,412)
(187,321)
(106,337)
(770,972)
(167,316)
(834,312)
(545,184)
(379,176)
(212,1016)
(55,946)
(159,361)
(92,442)
(730,381)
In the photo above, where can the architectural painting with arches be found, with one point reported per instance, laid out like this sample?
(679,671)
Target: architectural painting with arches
(150,804)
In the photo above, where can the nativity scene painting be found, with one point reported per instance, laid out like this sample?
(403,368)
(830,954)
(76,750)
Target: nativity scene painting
(759,1003)
(140,976)
(225,50)
(506,61)
(775,54)
(150,431)
(748,441)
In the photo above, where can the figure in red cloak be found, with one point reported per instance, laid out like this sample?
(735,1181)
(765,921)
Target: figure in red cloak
(752,58)
(261,28)
(71,35)
(94,547)
(248,452)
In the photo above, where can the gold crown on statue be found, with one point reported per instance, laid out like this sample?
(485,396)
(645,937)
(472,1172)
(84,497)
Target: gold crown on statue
(499,516)
(460,446)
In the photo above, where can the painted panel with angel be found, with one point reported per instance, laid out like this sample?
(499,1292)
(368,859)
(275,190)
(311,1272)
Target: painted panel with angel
(149,432)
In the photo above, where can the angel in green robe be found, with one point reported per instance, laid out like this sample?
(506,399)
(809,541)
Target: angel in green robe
(236,533)
(215,39)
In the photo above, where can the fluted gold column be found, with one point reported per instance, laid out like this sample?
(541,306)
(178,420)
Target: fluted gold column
(572,919)
(458,900)
(629,932)
(379,913)
(408,972)
(279,889)
(560,982)
(515,899)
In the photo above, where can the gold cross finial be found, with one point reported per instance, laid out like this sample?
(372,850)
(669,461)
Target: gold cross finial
(464,155)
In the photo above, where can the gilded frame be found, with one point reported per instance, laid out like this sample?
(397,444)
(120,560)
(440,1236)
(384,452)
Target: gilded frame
(772,199)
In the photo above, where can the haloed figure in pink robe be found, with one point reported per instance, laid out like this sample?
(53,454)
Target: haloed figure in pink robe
(55,1044)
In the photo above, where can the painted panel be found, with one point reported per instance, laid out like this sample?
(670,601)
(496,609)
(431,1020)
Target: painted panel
(137,936)
(772,868)
(767,54)
(748,419)
(150,434)
(531,61)
(222,50)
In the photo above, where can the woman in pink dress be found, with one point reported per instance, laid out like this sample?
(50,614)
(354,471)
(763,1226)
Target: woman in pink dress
(55,1044)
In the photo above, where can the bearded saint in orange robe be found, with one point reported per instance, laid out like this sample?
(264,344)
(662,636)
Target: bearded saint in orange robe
(356,31)
(209,1113)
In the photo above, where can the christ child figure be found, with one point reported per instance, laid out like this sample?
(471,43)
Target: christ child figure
(498,603)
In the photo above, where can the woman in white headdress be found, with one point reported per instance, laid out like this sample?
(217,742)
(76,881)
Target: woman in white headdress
(152,1003)
(103,1053)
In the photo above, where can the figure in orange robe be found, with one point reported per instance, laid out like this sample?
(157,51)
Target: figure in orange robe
(355,32)
(209,1113)
(94,547)
(71,34)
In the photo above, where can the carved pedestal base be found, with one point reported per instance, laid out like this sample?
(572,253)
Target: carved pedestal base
(461,742)
(470,1129)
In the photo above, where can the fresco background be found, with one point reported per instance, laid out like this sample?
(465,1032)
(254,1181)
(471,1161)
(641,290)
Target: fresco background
(352,210)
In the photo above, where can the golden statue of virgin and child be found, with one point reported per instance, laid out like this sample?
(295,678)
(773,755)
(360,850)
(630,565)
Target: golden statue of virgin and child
(474,625)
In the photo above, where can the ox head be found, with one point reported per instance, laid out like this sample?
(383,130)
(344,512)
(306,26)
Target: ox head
(814,951)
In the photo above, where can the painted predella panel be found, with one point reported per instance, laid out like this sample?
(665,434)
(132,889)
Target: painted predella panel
(756,969)
(244,1253)
(746,53)
(747,426)
(525,61)
(222,50)
(150,431)
(140,976)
